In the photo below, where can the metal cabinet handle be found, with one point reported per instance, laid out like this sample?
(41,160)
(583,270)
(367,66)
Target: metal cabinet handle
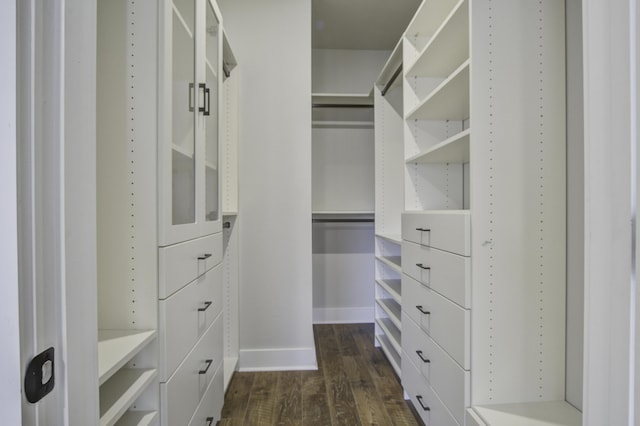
(207,101)
(204,256)
(191,106)
(208,362)
(422,358)
(206,306)
(421,266)
(424,407)
(423,229)
(421,309)
(209,421)
(204,95)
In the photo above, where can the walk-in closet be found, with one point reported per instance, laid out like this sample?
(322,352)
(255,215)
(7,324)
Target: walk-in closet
(320,212)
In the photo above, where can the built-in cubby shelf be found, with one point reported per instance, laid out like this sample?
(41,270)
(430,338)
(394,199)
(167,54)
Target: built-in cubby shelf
(448,101)
(392,309)
(138,418)
(390,76)
(552,413)
(342,98)
(392,332)
(447,49)
(393,238)
(393,287)
(452,150)
(394,262)
(389,351)
(119,392)
(117,347)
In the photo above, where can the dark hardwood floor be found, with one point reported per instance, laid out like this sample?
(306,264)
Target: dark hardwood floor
(354,385)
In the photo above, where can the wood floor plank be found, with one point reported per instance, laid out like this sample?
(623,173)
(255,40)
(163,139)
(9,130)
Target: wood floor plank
(288,410)
(262,400)
(392,396)
(315,405)
(346,343)
(368,402)
(342,404)
(237,396)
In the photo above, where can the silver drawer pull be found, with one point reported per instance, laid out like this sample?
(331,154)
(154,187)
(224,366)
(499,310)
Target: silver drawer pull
(204,256)
(209,421)
(421,309)
(424,268)
(424,407)
(208,362)
(423,229)
(422,358)
(206,306)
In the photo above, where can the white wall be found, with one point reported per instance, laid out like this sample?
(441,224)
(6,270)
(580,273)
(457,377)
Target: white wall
(346,71)
(10,395)
(272,42)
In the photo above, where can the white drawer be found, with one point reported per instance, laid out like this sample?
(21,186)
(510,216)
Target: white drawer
(446,230)
(445,322)
(447,273)
(182,393)
(181,263)
(447,379)
(432,411)
(210,408)
(185,316)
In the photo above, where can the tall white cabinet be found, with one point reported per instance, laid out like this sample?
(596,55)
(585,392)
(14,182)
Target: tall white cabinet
(161,284)
(483,230)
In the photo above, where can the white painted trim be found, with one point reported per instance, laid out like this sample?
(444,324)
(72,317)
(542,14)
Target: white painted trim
(278,359)
(342,315)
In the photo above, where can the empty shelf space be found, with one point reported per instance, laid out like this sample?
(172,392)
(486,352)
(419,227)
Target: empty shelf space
(392,309)
(447,49)
(448,101)
(138,418)
(553,413)
(392,333)
(394,262)
(452,150)
(117,347)
(392,355)
(393,287)
(394,238)
(119,392)
(342,98)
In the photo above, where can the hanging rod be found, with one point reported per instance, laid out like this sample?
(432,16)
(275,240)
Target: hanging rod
(391,80)
(341,106)
(341,220)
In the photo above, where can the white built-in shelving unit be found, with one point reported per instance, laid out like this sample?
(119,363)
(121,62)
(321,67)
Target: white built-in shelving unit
(388,207)
(480,135)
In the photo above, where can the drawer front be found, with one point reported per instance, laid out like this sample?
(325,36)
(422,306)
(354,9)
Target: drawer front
(445,322)
(181,263)
(182,393)
(186,316)
(210,408)
(447,379)
(432,411)
(449,231)
(447,273)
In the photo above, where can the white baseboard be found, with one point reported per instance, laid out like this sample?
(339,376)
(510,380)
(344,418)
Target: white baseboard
(342,315)
(278,359)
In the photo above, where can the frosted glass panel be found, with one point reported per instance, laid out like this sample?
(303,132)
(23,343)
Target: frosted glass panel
(182,120)
(211,113)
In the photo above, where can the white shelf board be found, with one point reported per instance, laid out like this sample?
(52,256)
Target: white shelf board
(230,365)
(228,57)
(393,287)
(117,347)
(447,49)
(448,101)
(392,355)
(211,69)
(428,18)
(342,98)
(183,151)
(394,262)
(138,418)
(390,67)
(318,124)
(394,238)
(229,213)
(553,413)
(342,212)
(392,333)
(121,391)
(452,150)
(393,309)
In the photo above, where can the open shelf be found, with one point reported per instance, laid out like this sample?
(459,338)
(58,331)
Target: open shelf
(138,418)
(319,124)
(394,238)
(448,101)
(452,150)
(119,392)
(390,68)
(392,355)
(393,287)
(342,98)
(394,262)
(392,333)
(393,309)
(447,49)
(428,19)
(228,58)
(117,347)
(183,151)
(553,413)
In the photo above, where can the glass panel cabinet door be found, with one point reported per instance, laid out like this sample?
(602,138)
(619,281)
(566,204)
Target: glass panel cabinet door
(183,100)
(212,172)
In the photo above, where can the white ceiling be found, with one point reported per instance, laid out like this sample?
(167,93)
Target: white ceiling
(360,24)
